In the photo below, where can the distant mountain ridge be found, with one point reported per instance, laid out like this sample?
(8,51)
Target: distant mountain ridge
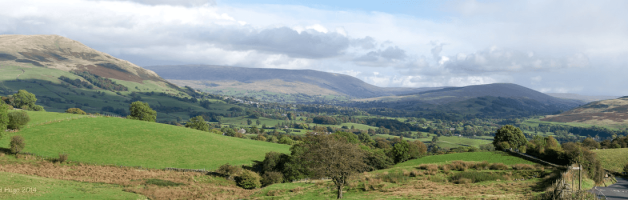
(585,98)
(328,83)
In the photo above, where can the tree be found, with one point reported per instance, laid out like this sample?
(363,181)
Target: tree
(332,157)
(249,180)
(75,111)
(18,119)
(197,123)
(626,168)
(249,122)
(23,98)
(4,117)
(590,143)
(511,135)
(400,151)
(142,111)
(17,144)
(257,122)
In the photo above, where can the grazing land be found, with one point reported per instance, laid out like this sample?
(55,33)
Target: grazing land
(110,140)
(613,159)
(34,187)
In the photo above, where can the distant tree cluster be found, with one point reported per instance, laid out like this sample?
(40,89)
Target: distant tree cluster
(77,82)
(101,82)
(325,120)
(119,111)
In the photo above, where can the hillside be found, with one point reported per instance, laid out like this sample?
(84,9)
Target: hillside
(64,73)
(223,79)
(490,100)
(612,112)
(585,98)
(110,140)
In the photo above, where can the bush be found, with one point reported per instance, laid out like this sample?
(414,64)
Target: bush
(487,147)
(229,171)
(75,111)
(37,108)
(18,119)
(481,165)
(270,178)
(4,117)
(498,166)
(17,144)
(62,157)
(248,180)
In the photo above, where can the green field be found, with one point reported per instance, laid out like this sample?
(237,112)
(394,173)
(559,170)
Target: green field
(613,159)
(491,157)
(446,141)
(19,186)
(109,140)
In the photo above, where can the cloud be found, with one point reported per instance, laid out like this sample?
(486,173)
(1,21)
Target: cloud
(500,60)
(188,3)
(383,57)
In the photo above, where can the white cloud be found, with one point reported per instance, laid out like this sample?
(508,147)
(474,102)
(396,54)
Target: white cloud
(476,42)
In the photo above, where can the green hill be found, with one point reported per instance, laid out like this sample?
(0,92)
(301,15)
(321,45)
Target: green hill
(64,73)
(613,159)
(110,140)
(22,186)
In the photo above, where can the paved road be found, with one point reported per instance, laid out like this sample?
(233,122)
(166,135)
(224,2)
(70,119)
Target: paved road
(618,190)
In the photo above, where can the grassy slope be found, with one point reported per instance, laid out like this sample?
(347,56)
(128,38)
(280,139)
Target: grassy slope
(613,159)
(46,188)
(71,96)
(491,157)
(136,143)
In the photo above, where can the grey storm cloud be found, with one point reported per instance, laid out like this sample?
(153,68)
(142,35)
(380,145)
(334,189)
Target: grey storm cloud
(283,40)
(497,60)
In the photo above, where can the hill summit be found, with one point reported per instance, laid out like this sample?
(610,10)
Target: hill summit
(606,112)
(57,52)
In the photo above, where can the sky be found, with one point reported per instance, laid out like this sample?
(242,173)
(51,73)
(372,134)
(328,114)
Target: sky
(569,46)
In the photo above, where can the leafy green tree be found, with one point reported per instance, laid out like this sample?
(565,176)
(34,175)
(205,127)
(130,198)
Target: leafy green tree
(331,157)
(511,135)
(249,122)
(257,122)
(142,111)
(197,123)
(23,98)
(365,138)
(18,119)
(17,144)
(349,137)
(4,117)
(286,140)
(400,151)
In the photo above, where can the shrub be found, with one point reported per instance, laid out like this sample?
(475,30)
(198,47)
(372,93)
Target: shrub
(459,165)
(229,171)
(270,178)
(481,165)
(75,111)
(37,108)
(248,180)
(498,166)
(62,157)
(487,147)
(17,144)
(445,168)
(4,117)
(18,119)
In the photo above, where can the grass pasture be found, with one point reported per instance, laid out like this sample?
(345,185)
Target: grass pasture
(108,140)
(22,186)
(613,159)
